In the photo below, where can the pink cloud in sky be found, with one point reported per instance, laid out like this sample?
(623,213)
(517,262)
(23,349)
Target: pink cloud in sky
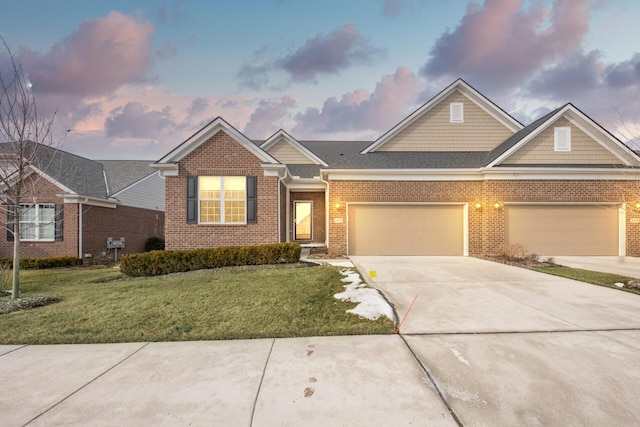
(501,44)
(268,117)
(102,55)
(360,110)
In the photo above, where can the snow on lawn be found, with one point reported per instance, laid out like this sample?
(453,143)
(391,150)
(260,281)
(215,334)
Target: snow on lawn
(371,305)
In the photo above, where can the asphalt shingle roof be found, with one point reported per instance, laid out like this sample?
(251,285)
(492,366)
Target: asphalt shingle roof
(414,160)
(121,173)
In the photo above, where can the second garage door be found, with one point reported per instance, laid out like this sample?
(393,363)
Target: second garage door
(564,229)
(405,229)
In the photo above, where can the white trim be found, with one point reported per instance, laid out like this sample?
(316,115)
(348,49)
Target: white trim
(282,135)
(466,90)
(213,127)
(90,201)
(622,230)
(465,217)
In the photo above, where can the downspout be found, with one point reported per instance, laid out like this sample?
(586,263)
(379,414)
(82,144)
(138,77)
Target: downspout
(327,209)
(280,179)
(80,254)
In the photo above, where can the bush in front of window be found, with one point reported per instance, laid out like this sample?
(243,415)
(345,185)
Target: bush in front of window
(154,243)
(42,263)
(156,263)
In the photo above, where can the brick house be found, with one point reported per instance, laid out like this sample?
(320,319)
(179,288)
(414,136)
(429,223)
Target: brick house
(73,205)
(459,176)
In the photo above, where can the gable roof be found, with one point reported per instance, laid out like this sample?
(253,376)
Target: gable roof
(282,135)
(577,118)
(80,176)
(169,161)
(461,86)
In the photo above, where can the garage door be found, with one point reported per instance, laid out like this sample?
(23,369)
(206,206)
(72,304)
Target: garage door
(563,229)
(405,230)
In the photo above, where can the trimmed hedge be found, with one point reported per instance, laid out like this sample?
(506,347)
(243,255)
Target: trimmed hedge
(156,263)
(42,263)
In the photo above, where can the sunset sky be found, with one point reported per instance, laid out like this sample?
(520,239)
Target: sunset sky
(132,79)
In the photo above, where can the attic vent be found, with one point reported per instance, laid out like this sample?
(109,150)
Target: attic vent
(562,139)
(456,110)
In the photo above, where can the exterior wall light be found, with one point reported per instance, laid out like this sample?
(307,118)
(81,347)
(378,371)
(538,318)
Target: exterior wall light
(338,206)
(497,206)
(478,206)
(637,205)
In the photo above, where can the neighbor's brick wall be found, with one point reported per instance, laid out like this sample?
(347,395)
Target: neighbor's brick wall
(319,223)
(134,224)
(401,192)
(44,192)
(493,228)
(220,155)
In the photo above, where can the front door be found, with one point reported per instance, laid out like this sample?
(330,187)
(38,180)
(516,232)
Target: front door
(303,220)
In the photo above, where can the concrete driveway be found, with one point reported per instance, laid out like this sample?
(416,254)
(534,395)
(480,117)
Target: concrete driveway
(508,346)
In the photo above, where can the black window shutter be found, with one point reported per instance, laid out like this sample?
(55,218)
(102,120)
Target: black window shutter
(192,199)
(252,208)
(59,224)
(10,225)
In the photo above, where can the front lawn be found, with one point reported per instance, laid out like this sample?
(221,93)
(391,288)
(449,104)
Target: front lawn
(101,305)
(595,277)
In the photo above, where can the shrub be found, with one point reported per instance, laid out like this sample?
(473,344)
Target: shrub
(155,263)
(154,244)
(42,263)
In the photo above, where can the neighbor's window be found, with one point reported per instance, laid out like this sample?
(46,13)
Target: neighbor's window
(222,199)
(562,139)
(38,222)
(456,112)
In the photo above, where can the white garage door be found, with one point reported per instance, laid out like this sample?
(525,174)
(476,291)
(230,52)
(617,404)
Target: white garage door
(564,229)
(405,229)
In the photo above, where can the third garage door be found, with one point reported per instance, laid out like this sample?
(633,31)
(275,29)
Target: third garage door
(564,229)
(405,229)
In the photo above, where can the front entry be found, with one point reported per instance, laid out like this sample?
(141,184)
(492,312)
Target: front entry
(303,220)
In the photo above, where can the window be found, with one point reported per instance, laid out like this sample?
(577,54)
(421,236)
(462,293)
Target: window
(303,220)
(223,199)
(456,112)
(38,222)
(562,139)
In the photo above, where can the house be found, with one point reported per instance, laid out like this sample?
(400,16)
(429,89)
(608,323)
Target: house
(459,176)
(72,205)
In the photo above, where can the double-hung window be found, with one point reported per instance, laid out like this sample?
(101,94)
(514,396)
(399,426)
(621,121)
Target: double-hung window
(38,222)
(222,199)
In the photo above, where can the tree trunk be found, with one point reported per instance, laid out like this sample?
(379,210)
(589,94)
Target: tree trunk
(15,292)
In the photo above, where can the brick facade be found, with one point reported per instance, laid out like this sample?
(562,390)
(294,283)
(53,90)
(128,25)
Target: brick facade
(220,155)
(134,224)
(486,224)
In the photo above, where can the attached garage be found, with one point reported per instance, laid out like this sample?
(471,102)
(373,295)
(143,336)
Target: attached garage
(392,229)
(564,229)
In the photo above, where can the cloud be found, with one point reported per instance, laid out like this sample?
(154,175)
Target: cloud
(391,7)
(360,110)
(102,55)
(171,14)
(500,44)
(624,74)
(135,120)
(322,54)
(329,54)
(268,117)
(167,51)
(197,107)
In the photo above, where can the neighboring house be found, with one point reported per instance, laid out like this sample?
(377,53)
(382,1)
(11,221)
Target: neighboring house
(459,176)
(77,204)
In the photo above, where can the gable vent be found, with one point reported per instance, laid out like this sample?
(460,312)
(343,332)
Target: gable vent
(456,110)
(562,139)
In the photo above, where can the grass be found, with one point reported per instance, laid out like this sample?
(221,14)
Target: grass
(102,305)
(595,277)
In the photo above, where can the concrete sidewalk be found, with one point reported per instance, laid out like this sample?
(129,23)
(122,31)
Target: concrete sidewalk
(623,265)
(357,380)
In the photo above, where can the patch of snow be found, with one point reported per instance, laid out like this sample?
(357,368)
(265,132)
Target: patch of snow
(340,263)
(620,285)
(371,305)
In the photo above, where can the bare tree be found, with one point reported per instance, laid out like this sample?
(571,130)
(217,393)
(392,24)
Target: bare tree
(24,138)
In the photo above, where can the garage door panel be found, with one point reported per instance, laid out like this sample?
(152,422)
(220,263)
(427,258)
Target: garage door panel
(405,230)
(564,229)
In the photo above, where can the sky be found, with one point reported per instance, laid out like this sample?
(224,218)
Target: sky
(133,79)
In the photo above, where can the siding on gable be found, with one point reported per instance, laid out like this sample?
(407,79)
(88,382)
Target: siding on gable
(435,132)
(148,193)
(540,150)
(288,154)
